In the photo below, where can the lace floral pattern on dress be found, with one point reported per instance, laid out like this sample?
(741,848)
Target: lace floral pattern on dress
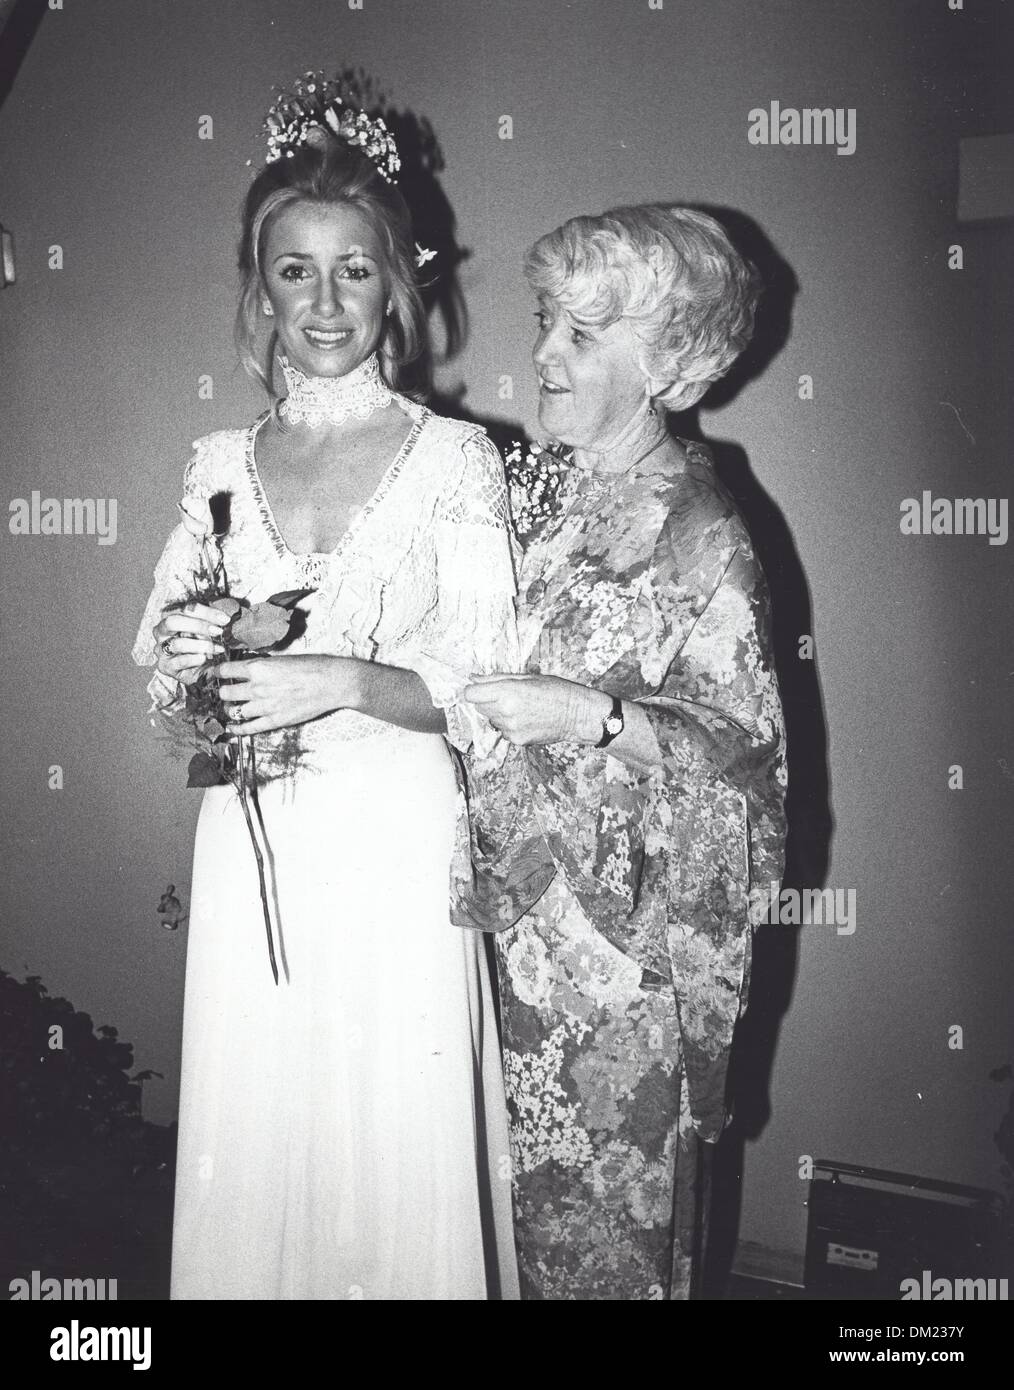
(422,579)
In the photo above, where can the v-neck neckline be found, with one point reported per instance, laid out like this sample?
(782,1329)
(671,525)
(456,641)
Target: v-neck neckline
(417,414)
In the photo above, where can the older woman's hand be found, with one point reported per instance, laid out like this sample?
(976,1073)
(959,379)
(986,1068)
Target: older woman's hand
(187,639)
(540,709)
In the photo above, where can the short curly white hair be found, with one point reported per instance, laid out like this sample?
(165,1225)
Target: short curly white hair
(672,271)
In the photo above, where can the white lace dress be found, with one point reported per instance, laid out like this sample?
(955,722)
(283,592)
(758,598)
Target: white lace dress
(343,1134)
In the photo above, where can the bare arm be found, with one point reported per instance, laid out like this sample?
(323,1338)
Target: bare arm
(283,691)
(397,696)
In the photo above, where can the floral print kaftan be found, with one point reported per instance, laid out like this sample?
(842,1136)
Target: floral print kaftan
(623,899)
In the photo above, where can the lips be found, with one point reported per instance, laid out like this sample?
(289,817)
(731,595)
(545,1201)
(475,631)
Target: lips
(551,388)
(327,339)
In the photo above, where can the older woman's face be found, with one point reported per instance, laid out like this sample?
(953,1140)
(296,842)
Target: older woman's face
(590,381)
(325,276)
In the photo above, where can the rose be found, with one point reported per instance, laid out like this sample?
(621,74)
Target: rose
(195,515)
(206,525)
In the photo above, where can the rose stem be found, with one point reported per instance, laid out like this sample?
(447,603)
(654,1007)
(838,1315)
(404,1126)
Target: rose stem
(257,855)
(255,799)
(212,578)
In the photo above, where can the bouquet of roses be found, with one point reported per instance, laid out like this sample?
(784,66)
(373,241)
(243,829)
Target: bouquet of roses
(223,756)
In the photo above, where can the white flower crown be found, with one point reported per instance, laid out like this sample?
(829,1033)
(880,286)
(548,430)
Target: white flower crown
(329,103)
(334,104)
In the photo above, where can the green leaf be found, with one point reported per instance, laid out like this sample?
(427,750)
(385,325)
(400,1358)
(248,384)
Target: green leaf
(227,604)
(204,771)
(288,598)
(259,626)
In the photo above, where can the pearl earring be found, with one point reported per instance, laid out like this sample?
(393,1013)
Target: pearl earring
(268,309)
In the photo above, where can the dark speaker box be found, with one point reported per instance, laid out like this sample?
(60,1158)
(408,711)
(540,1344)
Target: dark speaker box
(869,1229)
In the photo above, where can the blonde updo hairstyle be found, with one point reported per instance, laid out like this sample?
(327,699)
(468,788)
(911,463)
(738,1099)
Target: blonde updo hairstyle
(331,172)
(672,272)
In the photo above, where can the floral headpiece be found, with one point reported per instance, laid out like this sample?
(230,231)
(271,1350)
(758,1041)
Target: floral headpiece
(332,104)
(319,104)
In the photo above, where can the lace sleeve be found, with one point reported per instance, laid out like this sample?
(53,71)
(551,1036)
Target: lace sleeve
(472,628)
(173,578)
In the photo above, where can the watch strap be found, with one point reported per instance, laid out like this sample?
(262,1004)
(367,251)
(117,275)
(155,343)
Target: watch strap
(616,713)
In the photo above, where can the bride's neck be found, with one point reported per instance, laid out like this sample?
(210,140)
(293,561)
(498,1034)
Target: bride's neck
(319,403)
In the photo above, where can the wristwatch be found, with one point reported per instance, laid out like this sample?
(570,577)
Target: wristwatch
(612,724)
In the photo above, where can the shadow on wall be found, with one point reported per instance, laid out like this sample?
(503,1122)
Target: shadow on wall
(19,19)
(435,229)
(808,806)
(434,225)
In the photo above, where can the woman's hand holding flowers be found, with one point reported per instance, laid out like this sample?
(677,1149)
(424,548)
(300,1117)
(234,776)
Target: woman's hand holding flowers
(187,639)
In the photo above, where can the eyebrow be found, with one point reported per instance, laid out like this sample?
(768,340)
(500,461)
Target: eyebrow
(546,301)
(307,256)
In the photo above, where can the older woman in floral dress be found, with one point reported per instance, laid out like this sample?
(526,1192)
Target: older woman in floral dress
(616,848)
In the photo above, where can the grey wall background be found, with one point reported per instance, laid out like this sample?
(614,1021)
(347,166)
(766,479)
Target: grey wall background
(611,102)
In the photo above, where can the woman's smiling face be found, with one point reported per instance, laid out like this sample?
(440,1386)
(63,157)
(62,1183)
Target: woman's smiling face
(591,383)
(325,275)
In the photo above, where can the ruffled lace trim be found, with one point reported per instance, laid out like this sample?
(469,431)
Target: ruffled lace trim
(281,546)
(427,583)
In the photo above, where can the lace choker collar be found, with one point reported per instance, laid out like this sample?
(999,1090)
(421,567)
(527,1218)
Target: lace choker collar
(318,400)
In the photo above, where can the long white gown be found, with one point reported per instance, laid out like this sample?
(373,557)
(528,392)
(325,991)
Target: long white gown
(343,1134)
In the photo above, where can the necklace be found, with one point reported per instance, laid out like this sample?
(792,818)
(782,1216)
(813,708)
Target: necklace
(318,400)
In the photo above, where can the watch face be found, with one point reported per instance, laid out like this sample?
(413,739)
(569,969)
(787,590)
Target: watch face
(613,724)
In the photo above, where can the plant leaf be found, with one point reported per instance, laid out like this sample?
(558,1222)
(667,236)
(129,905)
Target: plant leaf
(227,604)
(288,598)
(259,626)
(204,771)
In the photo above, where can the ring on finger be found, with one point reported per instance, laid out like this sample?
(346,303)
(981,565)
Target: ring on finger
(167,646)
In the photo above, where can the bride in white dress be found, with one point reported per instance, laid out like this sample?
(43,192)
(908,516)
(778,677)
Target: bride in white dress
(342,1134)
